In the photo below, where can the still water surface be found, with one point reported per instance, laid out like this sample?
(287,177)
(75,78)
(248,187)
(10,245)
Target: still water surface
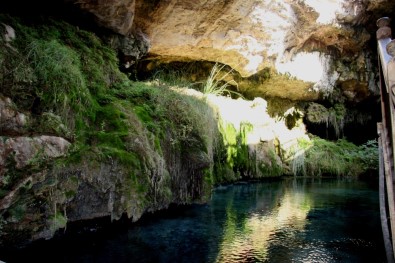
(291,220)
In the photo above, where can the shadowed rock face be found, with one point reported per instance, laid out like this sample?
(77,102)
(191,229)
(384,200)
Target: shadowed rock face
(116,15)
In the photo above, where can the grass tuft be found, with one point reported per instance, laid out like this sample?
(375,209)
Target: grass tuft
(216,83)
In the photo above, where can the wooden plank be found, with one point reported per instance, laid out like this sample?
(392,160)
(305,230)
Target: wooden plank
(389,184)
(383,211)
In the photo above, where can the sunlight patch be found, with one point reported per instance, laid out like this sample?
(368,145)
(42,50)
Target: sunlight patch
(304,66)
(327,9)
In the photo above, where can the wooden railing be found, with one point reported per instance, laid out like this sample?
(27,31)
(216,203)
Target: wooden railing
(385,129)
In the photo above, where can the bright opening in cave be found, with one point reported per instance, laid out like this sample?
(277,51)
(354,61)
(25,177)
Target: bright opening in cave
(304,66)
(327,9)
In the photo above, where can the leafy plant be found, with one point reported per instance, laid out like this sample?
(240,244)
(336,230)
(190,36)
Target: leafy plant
(367,155)
(318,157)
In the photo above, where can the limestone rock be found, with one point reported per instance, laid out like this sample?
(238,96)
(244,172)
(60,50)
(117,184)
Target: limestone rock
(9,33)
(11,121)
(245,35)
(24,150)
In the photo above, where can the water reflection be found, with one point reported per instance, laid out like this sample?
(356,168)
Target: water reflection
(251,240)
(304,220)
(253,237)
(293,220)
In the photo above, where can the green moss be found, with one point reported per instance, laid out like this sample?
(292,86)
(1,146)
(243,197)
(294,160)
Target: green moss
(144,113)
(317,113)
(12,174)
(243,162)
(58,220)
(18,211)
(70,79)
(74,179)
(72,73)
(110,118)
(52,123)
(60,81)
(70,194)
(224,173)
(337,115)
(129,159)
(142,188)
(158,147)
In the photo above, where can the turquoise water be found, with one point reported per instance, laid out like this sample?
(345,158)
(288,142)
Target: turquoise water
(292,220)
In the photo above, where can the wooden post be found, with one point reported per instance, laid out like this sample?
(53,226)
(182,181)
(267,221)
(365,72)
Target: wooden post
(383,36)
(390,48)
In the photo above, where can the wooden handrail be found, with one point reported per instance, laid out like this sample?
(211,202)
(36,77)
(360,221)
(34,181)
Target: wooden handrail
(386,52)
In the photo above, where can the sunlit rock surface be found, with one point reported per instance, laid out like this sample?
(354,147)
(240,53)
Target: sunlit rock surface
(305,41)
(247,35)
(251,35)
(311,41)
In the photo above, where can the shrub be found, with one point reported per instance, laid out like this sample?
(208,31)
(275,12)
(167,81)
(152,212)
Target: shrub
(318,157)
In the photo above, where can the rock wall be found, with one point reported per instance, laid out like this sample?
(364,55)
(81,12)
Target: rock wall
(41,192)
